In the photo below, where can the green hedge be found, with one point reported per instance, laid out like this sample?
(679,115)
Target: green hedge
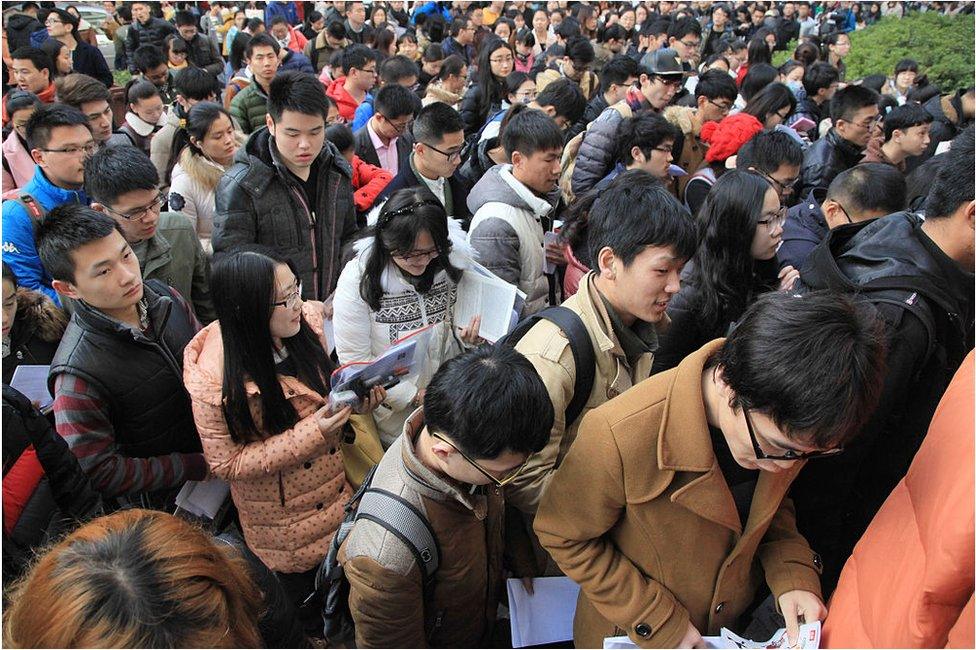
(942,45)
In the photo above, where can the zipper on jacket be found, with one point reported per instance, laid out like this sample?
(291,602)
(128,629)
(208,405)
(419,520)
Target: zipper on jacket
(281,488)
(310,215)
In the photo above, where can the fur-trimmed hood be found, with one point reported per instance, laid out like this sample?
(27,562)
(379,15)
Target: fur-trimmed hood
(203,170)
(437,93)
(38,315)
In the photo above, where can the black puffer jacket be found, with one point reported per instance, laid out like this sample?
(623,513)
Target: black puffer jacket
(152,32)
(836,498)
(476,165)
(824,159)
(259,202)
(45,490)
(597,152)
(18,30)
(473,114)
(38,327)
(203,54)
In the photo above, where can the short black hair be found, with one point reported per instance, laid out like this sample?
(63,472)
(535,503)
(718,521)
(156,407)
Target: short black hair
(767,150)
(529,131)
(869,187)
(716,84)
(146,57)
(183,18)
(434,52)
(252,24)
(566,97)
(38,57)
(64,230)
(196,84)
(300,92)
(617,71)
(580,49)
(905,117)
(396,68)
(117,170)
(336,29)
(76,89)
(48,117)
(279,20)
(655,27)
(434,121)
(819,75)
(341,136)
(614,32)
(757,77)
(954,181)
(645,131)
(684,27)
(849,100)
(457,25)
(636,211)
(777,356)
(569,28)
(396,101)
(356,56)
(263,39)
(489,401)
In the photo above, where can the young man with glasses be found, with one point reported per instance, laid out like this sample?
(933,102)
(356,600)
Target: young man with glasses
(385,140)
(646,143)
(616,79)
(854,111)
(438,136)
(358,78)
(776,156)
(484,414)
(684,515)
(59,138)
(575,66)
(117,377)
(122,182)
(85,59)
(394,70)
(861,193)
(250,106)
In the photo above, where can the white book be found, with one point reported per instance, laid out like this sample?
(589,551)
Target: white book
(482,293)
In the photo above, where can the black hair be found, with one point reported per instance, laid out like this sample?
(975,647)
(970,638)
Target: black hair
(828,40)
(199,120)
(920,180)
(125,13)
(435,52)
(341,136)
(263,39)
(183,18)
(113,171)
(244,290)
(789,66)
(38,57)
(52,47)
(452,65)
(356,56)
(757,77)
(196,84)
(138,89)
(566,97)
(905,117)
(645,131)
(614,32)
(514,80)
(617,71)
(489,401)
(300,92)
(954,181)
(784,346)
(18,100)
(434,26)
(869,187)
(383,40)
(253,24)
(176,43)
(874,81)
(768,150)
(434,121)
(682,27)
(396,68)
(407,213)
(457,25)
(529,130)
(67,18)
(724,265)
(771,99)
(716,84)
(807,54)
(819,76)
(906,65)
(279,20)
(636,211)
(655,27)
(525,37)
(336,29)
(396,101)
(580,49)
(47,118)
(64,230)
(758,49)
(490,89)
(847,101)
(569,28)
(147,57)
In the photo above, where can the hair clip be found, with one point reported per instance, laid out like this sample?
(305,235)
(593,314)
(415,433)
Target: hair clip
(386,218)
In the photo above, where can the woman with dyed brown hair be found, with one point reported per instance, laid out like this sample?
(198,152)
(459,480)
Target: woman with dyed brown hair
(135,579)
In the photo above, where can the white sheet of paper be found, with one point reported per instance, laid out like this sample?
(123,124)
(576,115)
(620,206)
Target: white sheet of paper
(809,640)
(482,293)
(328,332)
(544,617)
(32,382)
(203,498)
(943,147)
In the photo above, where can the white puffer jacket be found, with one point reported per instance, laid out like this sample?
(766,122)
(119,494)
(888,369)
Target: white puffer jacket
(362,334)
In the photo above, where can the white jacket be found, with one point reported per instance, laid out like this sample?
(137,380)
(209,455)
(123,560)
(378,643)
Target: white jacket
(362,334)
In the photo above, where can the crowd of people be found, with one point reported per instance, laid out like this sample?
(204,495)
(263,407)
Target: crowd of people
(736,389)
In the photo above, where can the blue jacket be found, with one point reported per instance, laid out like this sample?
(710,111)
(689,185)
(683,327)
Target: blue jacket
(431,8)
(19,251)
(803,230)
(286,9)
(363,112)
(297,61)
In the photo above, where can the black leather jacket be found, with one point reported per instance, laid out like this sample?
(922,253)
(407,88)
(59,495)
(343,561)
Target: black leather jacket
(827,157)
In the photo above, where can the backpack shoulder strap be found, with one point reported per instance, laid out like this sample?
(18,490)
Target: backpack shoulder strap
(32,206)
(406,522)
(913,303)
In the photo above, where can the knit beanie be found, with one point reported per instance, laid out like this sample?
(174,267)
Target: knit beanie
(725,138)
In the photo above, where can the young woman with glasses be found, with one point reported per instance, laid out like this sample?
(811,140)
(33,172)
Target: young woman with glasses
(484,98)
(740,229)
(403,279)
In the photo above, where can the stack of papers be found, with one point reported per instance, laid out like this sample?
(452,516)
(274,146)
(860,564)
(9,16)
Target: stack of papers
(482,293)
(809,639)
(544,617)
(32,382)
(203,498)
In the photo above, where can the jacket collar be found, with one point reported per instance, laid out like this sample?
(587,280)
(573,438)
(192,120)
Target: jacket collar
(538,206)
(49,194)
(158,307)
(846,148)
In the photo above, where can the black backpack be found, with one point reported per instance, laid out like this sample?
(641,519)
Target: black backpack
(579,343)
(396,515)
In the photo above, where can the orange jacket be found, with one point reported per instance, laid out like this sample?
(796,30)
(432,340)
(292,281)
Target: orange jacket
(909,582)
(347,103)
(368,181)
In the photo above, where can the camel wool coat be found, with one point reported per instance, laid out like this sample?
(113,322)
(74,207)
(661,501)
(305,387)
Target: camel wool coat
(640,515)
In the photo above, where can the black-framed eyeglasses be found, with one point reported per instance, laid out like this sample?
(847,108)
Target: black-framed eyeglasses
(400,127)
(292,300)
(844,210)
(88,150)
(510,475)
(139,213)
(372,72)
(691,45)
(790,454)
(450,155)
(722,107)
(674,82)
(783,187)
(774,220)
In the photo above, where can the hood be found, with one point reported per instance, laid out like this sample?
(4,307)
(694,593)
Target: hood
(498,185)
(38,315)
(887,250)
(200,168)
(683,117)
(439,93)
(23,22)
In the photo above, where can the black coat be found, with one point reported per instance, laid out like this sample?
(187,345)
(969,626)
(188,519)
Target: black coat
(19,29)
(38,327)
(824,159)
(406,177)
(593,109)
(202,52)
(836,498)
(153,32)
(364,149)
(88,59)
(947,119)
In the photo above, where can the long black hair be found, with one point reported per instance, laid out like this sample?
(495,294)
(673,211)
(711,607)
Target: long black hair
(491,89)
(771,99)
(758,49)
(243,285)
(723,266)
(198,121)
(407,213)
